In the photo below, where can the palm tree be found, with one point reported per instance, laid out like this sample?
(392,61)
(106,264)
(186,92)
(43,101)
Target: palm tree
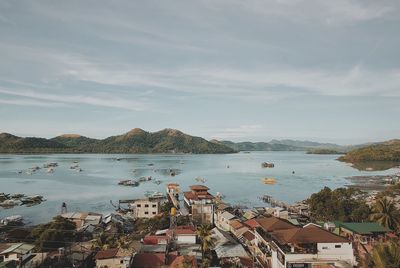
(385,213)
(386,255)
(207,241)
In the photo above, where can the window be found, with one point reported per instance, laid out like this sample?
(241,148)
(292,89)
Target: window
(324,247)
(146,206)
(338,246)
(139,205)
(154,206)
(121,261)
(154,213)
(146,213)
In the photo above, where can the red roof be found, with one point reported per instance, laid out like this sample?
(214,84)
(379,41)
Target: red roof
(236,224)
(308,234)
(106,254)
(181,261)
(183,230)
(199,188)
(252,223)
(249,236)
(153,239)
(193,196)
(272,224)
(148,260)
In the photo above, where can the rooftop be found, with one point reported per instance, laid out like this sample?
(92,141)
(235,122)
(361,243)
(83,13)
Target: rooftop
(363,228)
(309,234)
(106,254)
(271,224)
(199,188)
(20,248)
(145,260)
(227,215)
(193,196)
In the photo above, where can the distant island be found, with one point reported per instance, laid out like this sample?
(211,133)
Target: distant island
(135,141)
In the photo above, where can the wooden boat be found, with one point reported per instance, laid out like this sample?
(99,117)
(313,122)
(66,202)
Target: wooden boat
(269,181)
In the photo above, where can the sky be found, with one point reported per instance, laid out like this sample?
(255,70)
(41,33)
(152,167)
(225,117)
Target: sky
(236,70)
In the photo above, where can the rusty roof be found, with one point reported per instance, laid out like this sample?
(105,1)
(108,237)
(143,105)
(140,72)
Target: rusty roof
(307,235)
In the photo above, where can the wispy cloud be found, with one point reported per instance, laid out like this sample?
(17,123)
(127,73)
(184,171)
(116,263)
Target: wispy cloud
(30,102)
(104,100)
(263,82)
(243,131)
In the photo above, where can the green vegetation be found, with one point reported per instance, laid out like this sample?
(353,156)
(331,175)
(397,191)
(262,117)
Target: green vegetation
(135,141)
(386,255)
(259,146)
(344,204)
(385,213)
(386,151)
(204,233)
(53,235)
(323,151)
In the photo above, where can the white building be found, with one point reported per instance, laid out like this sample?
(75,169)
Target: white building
(146,208)
(307,247)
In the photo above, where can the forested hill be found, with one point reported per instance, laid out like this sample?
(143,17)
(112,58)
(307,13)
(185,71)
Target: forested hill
(385,151)
(134,141)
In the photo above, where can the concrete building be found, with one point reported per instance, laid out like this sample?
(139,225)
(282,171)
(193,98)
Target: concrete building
(183,234)
(200,204)
(146,208)
(286,245)
(113,258)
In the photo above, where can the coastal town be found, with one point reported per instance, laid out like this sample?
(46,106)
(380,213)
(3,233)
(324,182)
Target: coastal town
(195,228)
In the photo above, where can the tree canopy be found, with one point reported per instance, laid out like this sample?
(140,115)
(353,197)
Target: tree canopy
(344,204)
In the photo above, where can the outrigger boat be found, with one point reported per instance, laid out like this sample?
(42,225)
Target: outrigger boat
(128,183)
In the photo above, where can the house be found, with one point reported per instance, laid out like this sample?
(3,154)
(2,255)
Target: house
(237,228)
(82,219)
(113,258)
(363,232)
(264,226)
(227,249)
(16,252)
(183,234)
(149,260)
(285,245)
(183,262)
(278,212)
(156,240)
(200,204)
(146,208)
(223,220)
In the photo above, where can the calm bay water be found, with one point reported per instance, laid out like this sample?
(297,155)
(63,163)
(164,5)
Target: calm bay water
(94,187)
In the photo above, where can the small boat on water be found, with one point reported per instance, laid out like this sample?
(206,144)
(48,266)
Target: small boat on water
(128,183)
(158,182)
(267,165)
(74,166)
(50,165)
(153,194)
(50,170)
(269,181)
(199,179)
